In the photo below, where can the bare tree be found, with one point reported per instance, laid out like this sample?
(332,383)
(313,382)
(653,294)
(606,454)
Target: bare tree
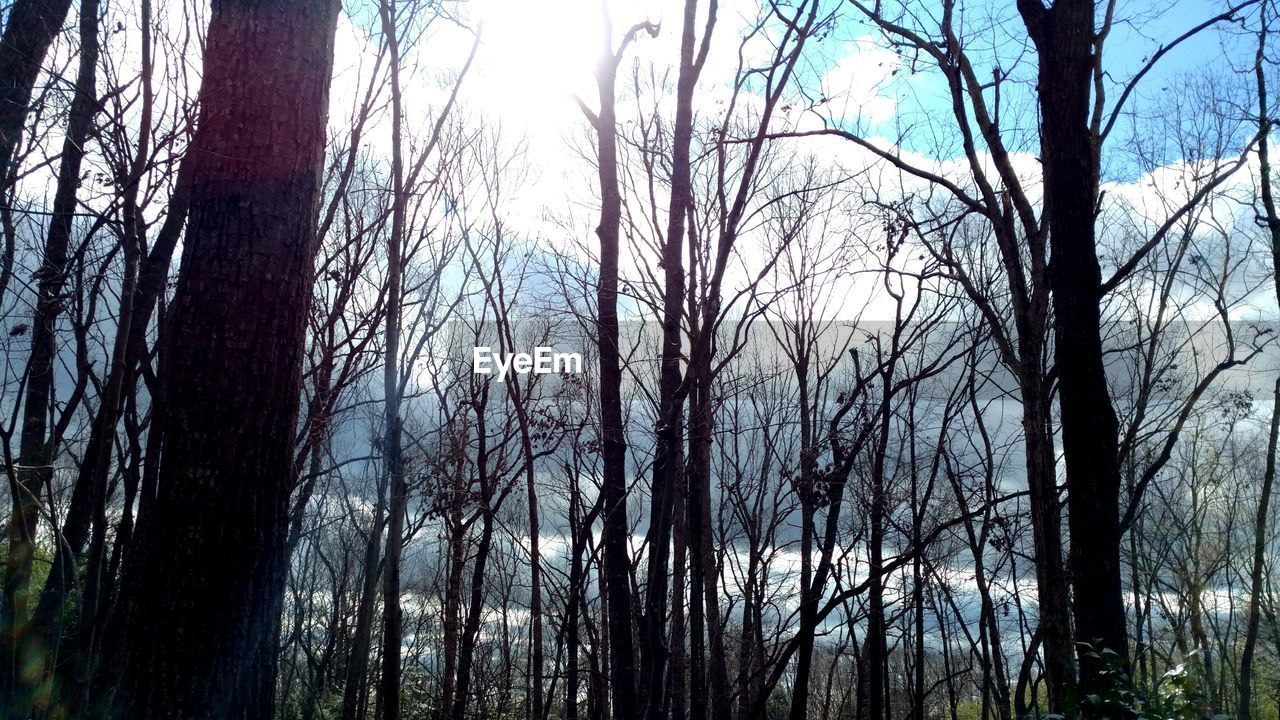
(616,558)
(1270,218)
(36,445)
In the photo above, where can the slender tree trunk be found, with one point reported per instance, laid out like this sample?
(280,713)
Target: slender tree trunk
(88,501)
(601,672)
(1051,577)
(917,504)
(30,27)
(211,566)
(698,694)
(453,594)
(705,575)
(616,534)
(667,467)
(471,627)
(748,649)
(810,594)
(536,692)
(877,646)
(392,462)
(333,630)
(677,675)
(20,646)
(573,605)
(536,701)
(357,675)
(1272,217)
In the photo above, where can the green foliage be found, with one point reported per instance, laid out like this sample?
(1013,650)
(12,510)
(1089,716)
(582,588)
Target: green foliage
(1176,696)
(41,565)
(779,704)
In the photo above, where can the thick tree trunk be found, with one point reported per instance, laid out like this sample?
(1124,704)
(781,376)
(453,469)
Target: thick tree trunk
(210,568)
(1064,37)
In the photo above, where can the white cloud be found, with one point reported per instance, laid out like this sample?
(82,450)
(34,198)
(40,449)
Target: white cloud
(857,86)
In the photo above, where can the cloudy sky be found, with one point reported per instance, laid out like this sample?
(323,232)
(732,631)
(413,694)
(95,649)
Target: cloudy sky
(536,60)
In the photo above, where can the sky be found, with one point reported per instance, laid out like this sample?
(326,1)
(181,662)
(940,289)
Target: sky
(536,59)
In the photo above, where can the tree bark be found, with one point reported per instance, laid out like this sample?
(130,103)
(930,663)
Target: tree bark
(357,675)
(1272,219)
(210,568)
(667,466)
(1064,38)
(392,462)
(616,532)
(18,645)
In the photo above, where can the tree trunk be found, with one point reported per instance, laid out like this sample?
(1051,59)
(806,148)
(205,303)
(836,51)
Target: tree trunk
(1272,219)
(357,675)
(616,533)
(536,694)
(704,575)
(535,584)
(210,568)
(677,669)
(1064,37)
(574,603)
(877,627)
(810,595)
(88,501)
(1051,576)
(19,646)
(453,592)
(667,466)
(392,462)
(471,627)
(29,30)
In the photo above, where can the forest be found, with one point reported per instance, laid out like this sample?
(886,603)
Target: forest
(639,359)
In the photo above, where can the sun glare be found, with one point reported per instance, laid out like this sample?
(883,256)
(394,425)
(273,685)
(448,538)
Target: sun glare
(537,55)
